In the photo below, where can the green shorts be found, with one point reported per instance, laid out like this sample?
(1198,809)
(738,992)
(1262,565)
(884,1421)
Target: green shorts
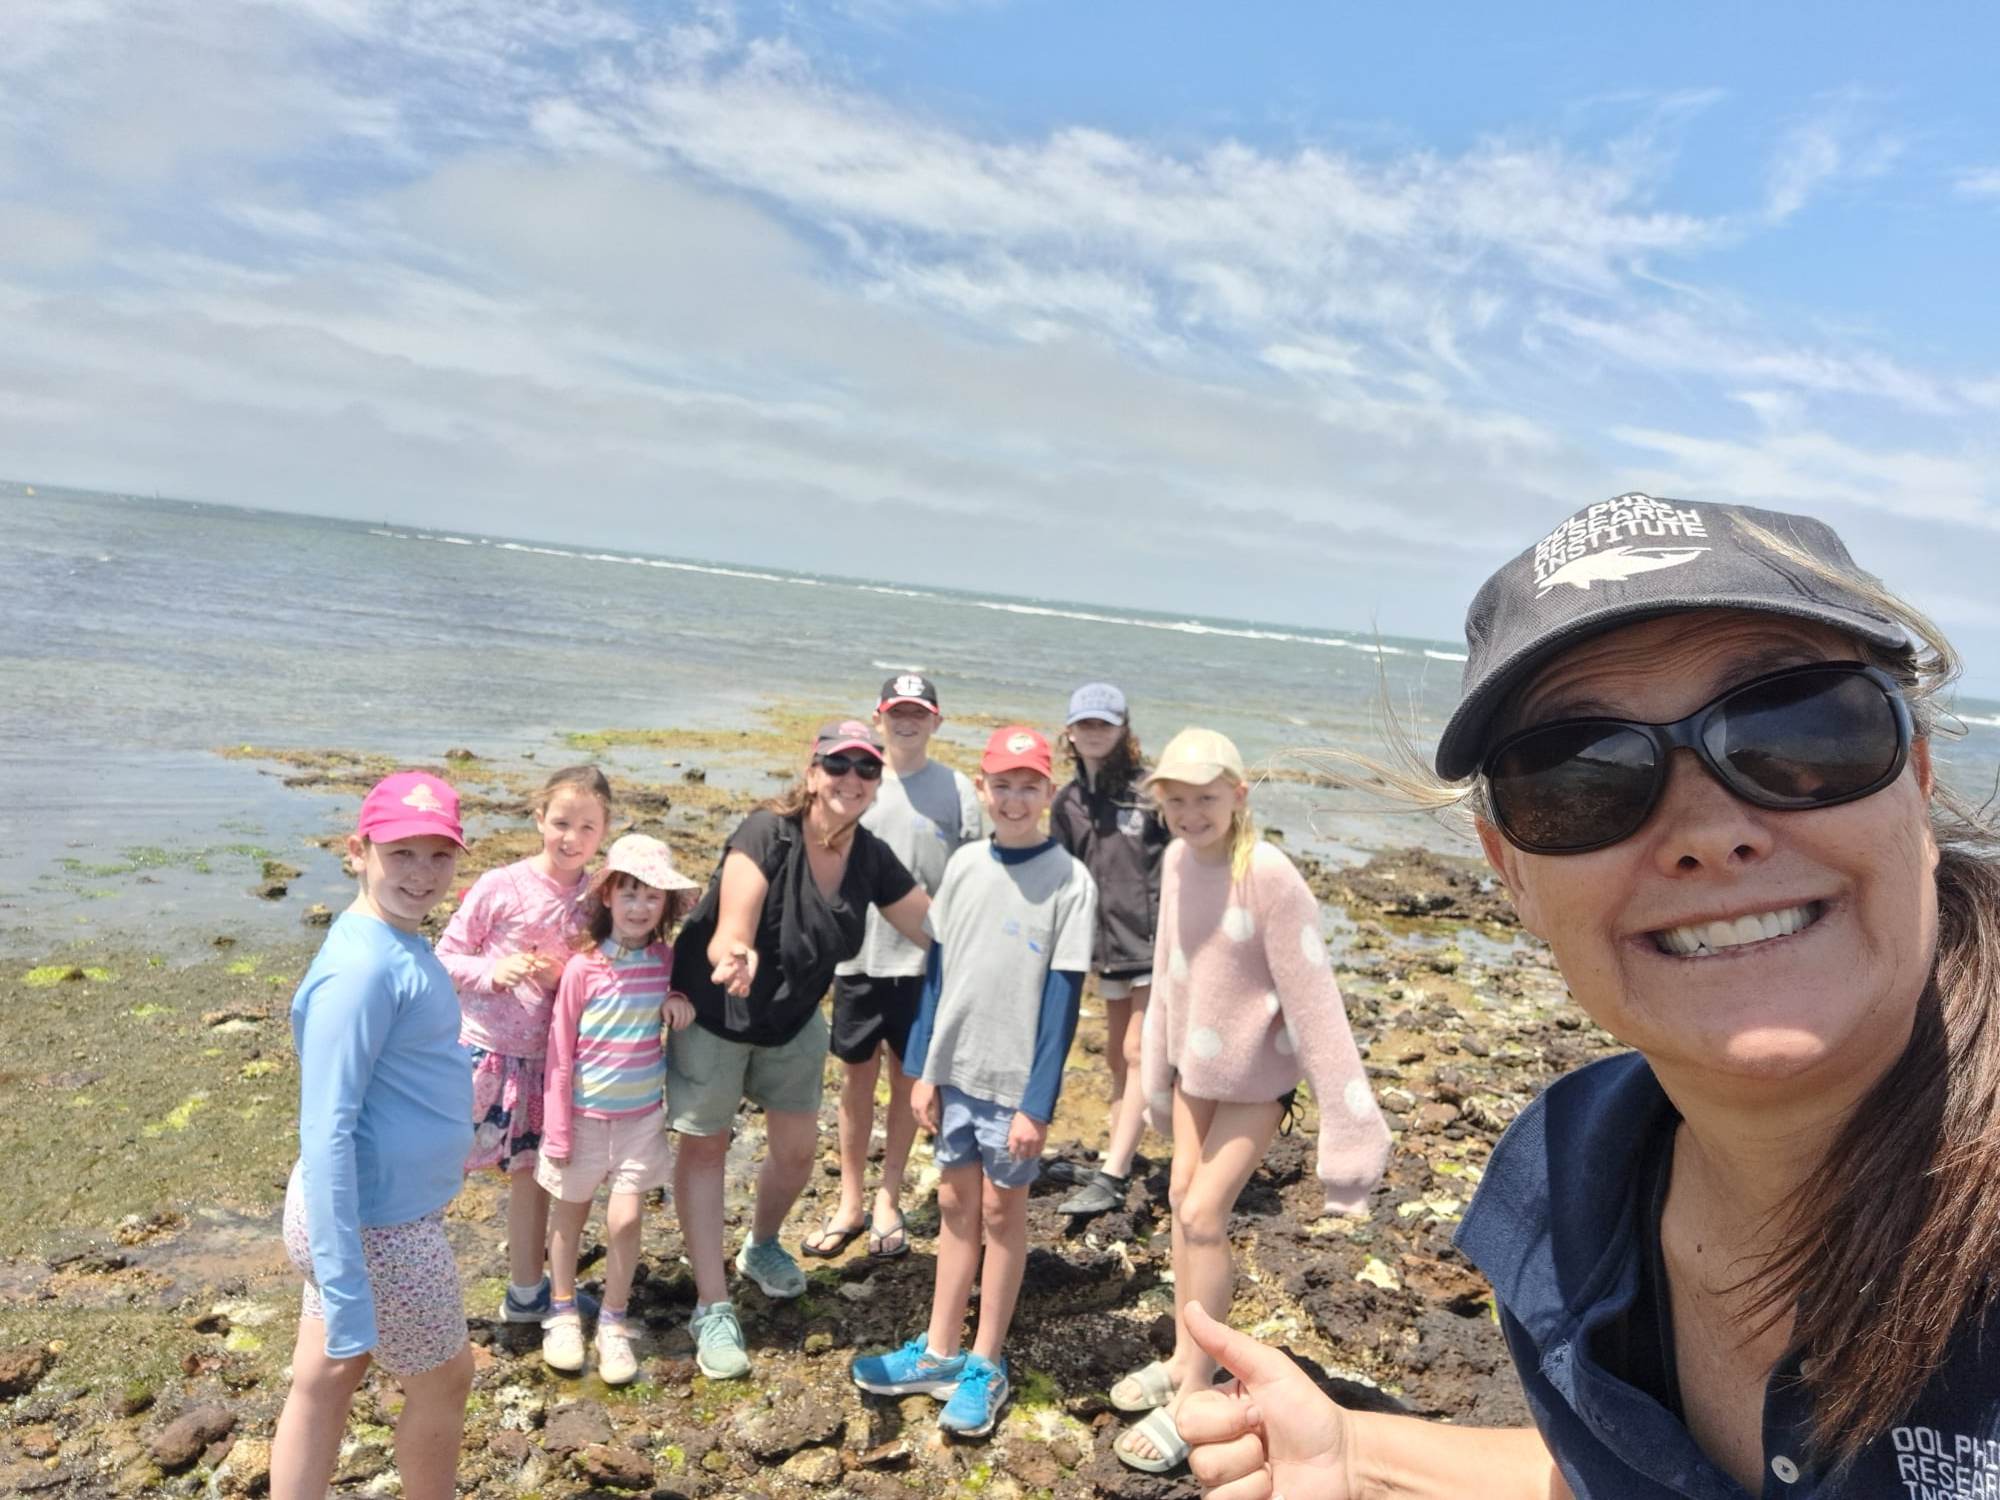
(709,1076)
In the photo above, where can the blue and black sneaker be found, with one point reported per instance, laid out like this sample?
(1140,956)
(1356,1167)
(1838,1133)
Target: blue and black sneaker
(909,1371)
(514,1310)
(975,1406)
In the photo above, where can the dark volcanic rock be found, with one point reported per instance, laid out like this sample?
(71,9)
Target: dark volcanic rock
(796,1419)
(581,1424)
(21,1369)
(183,1440)
(615,1466)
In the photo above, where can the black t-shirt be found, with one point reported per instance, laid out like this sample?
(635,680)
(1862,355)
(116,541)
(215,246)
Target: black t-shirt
(801,933)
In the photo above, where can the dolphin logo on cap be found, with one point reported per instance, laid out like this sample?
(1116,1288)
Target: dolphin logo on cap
(1616,564)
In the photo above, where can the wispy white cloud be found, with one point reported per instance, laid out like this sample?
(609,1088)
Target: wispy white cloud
(460,259)
(1977,182)
(1840,143)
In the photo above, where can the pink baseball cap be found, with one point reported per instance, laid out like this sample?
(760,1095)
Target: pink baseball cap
(1016,747)
(409,805)
(836,735)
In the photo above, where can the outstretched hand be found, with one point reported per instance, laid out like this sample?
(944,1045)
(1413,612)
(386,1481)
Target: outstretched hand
(737,971)
(1271,1420)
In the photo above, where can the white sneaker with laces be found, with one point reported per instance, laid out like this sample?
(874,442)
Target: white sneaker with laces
(562,1342)
(616,1364)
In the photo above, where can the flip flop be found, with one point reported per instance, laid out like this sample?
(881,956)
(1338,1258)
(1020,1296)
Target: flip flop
(1153,1384)
(877,1243)
(825,1242)
(1156,1427)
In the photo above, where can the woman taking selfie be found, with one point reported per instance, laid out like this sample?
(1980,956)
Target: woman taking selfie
(1759,1254)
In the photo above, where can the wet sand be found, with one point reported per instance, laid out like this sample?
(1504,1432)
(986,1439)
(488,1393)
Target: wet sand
(146,1310)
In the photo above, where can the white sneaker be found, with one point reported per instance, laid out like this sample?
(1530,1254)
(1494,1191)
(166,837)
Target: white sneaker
(562,1342)
(615,1362)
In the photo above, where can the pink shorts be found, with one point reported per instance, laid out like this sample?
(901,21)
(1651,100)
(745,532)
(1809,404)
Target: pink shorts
(632,1153)
(419,1314)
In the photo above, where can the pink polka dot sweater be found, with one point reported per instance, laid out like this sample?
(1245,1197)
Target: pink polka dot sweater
(1245,1003)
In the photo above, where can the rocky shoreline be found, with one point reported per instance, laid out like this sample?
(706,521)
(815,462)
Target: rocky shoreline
(146,1309)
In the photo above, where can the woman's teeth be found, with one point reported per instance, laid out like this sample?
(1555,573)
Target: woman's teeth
(1712,937)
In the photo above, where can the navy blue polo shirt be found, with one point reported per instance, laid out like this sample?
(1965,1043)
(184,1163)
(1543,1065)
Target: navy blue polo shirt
(1563,1229)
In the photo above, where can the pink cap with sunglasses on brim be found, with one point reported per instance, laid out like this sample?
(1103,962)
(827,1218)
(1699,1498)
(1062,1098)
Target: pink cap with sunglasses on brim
(837,735)
(410,805)
(646,860)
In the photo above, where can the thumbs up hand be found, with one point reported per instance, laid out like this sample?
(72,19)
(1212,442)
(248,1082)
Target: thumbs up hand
(1268,1433)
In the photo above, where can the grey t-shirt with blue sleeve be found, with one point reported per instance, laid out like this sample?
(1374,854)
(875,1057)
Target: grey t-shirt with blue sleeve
(923,818)
(1002,922)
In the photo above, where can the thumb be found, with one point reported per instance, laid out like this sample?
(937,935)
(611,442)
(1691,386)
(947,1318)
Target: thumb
(1256,1365)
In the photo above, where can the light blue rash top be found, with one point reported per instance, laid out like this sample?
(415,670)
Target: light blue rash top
(385,1104)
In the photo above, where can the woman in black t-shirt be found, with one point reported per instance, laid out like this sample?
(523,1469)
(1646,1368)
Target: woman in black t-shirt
(788,902)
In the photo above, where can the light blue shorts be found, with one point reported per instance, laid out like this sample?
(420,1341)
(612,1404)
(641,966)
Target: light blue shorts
(972,1130)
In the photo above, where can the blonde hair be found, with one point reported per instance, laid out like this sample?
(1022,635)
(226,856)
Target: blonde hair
(1243,834)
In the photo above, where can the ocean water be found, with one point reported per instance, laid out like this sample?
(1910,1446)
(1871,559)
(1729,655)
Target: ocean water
(137,636)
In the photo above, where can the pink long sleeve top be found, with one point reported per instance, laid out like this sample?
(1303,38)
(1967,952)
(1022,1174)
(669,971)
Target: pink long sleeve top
(607,1058)
(514,909)
(1245,1003)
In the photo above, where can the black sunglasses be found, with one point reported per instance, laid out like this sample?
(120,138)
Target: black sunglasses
(1810,736)
(839,764)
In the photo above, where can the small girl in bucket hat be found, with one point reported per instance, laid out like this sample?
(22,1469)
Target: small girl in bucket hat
(603,1114)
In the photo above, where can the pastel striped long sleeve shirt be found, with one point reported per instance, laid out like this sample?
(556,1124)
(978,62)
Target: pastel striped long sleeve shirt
(605,1056)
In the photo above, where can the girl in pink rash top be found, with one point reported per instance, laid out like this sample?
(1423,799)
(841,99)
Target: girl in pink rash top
(505,949)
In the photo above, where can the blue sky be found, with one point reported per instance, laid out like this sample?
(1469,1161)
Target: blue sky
(1304,312)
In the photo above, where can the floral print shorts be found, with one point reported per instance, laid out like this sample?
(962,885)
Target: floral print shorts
(506,1111)
(419,1313)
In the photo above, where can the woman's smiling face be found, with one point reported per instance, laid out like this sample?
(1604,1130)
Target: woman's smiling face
(1821,982)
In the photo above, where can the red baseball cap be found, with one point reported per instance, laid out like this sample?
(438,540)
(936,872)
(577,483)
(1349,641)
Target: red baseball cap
(1016,747)
(409,805)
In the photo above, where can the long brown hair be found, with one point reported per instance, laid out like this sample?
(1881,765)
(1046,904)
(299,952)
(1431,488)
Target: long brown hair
(1123,766)
(1890,1247)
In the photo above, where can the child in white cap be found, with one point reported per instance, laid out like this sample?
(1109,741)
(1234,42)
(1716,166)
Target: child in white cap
(603,1111)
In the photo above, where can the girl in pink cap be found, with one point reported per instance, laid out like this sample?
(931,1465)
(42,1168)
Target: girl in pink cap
(603,1103)
(505,950)
(385,1117)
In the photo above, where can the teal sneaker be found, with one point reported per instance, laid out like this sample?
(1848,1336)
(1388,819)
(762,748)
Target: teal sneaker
(975,1406)
(909,1371)
(771,1266)
(718,1342)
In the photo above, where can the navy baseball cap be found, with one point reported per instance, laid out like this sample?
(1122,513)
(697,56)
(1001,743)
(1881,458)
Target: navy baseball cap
(1635,557)
(908,687)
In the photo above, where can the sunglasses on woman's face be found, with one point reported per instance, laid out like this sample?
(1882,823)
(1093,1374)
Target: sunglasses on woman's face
(1803,737)
(838,764)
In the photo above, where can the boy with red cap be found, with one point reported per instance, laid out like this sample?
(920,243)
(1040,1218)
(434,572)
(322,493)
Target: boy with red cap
(1011,927)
